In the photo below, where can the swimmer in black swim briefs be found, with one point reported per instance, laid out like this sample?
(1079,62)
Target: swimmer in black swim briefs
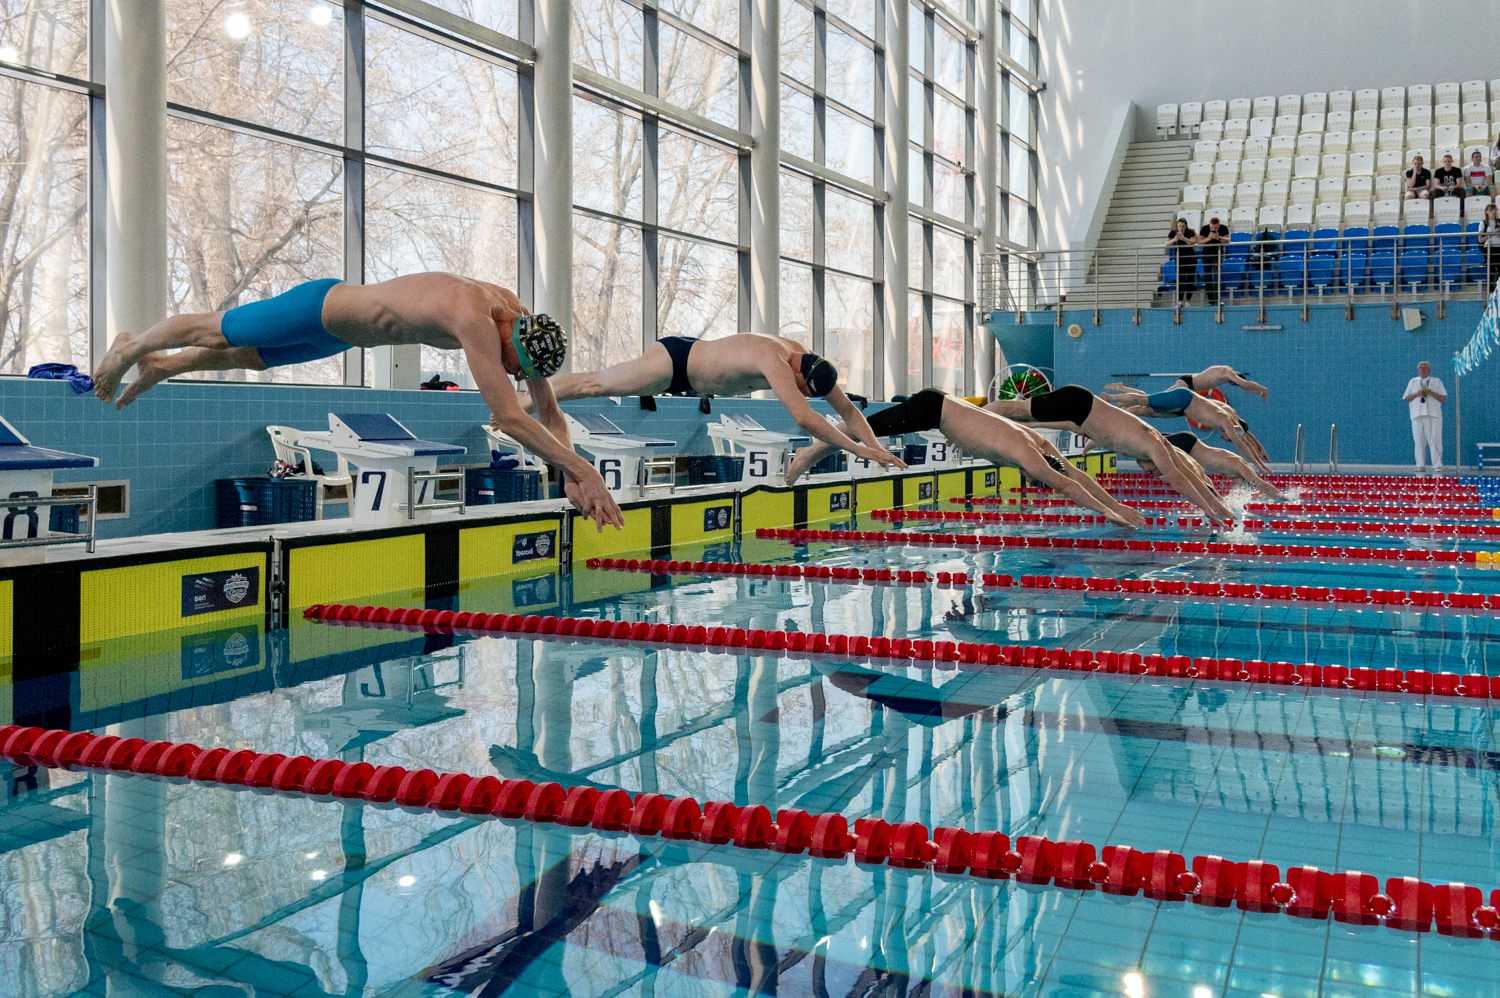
(1216,461)
(1201,410)
(738,365)
(1075,408)
(988,437)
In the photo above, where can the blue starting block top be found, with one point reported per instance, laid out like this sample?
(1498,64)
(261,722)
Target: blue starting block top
(17,454)
(600,425)
(381,428)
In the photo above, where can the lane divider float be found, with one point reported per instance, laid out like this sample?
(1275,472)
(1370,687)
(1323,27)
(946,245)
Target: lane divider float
(1407,904)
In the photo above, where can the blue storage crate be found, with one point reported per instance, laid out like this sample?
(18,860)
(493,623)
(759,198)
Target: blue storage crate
(833,464)
(489,486)
(715,469)
(257,502)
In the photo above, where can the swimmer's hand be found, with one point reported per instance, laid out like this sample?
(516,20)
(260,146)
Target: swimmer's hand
(592,499)
(880,456)
(1126,516)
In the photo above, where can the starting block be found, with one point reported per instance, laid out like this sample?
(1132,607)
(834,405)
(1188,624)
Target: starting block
(629,465)
(940,453)
(26,480)
(863,467)
(396,470)
(765,452)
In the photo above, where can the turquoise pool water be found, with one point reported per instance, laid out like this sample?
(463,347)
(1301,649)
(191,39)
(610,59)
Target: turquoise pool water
(120,886)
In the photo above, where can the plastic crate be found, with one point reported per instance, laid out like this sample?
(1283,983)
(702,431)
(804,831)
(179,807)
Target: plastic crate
(915,454)
(64,519)
(256,502)
(489,486)
(833,464)
(715,469)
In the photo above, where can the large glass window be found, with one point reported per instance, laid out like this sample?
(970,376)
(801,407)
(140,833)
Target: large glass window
(50,35)
(606,292)
(1014,145)
(44,243)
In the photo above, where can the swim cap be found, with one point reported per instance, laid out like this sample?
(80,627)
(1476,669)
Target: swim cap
(541,345)
(821,376)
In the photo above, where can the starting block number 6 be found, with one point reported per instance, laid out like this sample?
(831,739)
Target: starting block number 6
(609,470)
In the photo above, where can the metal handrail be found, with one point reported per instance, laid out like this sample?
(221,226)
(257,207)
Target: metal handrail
(1383,267)
(413,476)
(1333,449)
(16,504)
(1297,454)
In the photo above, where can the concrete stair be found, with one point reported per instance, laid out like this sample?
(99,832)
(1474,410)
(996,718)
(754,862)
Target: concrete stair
(1141,210)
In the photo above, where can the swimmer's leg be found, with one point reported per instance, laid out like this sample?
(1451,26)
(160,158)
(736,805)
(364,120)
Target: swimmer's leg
(193,330)
(647,374)
(154,367)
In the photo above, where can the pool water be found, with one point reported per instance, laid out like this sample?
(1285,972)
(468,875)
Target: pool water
(121,886)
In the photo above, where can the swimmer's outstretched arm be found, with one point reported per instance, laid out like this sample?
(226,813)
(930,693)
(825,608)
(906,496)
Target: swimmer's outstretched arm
(1222,374)
(1187,477)
(779,376)
(1044,464)
(855,423)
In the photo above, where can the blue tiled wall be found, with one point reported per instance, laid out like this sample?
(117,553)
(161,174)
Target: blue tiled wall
(1327,370)
(175,440)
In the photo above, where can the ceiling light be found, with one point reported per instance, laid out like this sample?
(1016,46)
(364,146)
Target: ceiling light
(237,26)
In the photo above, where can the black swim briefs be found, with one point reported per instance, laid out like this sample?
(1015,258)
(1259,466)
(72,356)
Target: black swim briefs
(923,411)
(1186,379)
(1068,404)
(678,348)
(1183,441)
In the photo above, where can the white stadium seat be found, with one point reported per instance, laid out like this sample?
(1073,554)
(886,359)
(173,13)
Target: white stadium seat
(1367,99)
(1287,124)
(1446,210)
(1428,159)
(1362,140)
(1392,97)
(1205,152)
(1446,114)
(1447,93)
(1476,204)
(1362,164)
(1417,211)
(1247,195)
(1335,142)
(1335,165)
(1279,168)
(1359,188)
(1313,122)
(1194,196)
(1315,103)
(1388,187)
(1387,212)
(1418,135)
(1357,213)
(1338,121)
(1241,107)
(1305,167)
(1189,116)
(1419,95)
(1341,101)
(1303,191)
(1200,173)
(1392,139)
(1260,147)
(1419,116)
(1166,119)
(1227,171)
(1253,170)
(1464,157)
(1299,216)
(1327,214)
(1289,104)
(1366,118)
(1310,144)
(1476,110)
(1193,217)
(1236,128)
(1388,162)
(1215,110)
(1476,131)
(1211,131)
(1495,109)
(1495,89)
(1243,219)
(1272,215)
(1261,127)
(1495,130)
(1283,145)
(1446,136)
(1221,196)
(1265,107)
(1273,192)
(1473,90)
(1331,189)
(1393,117)
(1232,149)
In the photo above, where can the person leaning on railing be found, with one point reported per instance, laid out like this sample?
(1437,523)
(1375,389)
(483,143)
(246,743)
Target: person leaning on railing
(1211,240)
(1489,242)
(1186,243)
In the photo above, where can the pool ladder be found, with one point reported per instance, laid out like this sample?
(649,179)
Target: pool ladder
(1299,459)
(1297,463)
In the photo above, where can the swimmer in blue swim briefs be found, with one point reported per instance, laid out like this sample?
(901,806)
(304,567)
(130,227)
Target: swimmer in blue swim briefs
(498,335)
(1207,412)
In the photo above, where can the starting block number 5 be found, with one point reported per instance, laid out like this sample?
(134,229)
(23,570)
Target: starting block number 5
(758,464)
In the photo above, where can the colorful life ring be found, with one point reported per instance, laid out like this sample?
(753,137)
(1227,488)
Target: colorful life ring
(1023,382)
(1213,394)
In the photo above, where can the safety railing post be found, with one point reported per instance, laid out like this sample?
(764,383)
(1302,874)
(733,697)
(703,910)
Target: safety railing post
(1297,453)
(1135,319)
(1333,448)
(1098,315)
(1057,271)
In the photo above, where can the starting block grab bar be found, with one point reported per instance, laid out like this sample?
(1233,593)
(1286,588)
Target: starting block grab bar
(412,505)
(24,505)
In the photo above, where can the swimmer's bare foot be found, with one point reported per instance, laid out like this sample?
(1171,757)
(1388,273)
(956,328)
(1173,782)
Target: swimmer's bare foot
(112,367)
(150,369)
(802,461)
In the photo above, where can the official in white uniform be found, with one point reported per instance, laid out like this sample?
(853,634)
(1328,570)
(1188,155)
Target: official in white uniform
(1425,396)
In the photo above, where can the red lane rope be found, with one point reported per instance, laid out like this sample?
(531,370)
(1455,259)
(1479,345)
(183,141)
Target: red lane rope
(1250,523)
(1286,552)
(1416,601)
(1390,510)
(1304,892)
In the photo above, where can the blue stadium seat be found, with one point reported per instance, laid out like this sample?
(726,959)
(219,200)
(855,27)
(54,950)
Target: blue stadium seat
(1294,243)
(1385,238)
(1354,267)
(1416,260)
(1383,269)
(1450,266)
(1449,234)
(1325,242)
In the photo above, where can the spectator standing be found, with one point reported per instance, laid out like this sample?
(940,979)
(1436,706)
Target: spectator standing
(1211,240)
(1424,397)
(1182,239)
(1418,181)
(1448,181)
(1489,243)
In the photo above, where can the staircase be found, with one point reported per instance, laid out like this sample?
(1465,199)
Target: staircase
(1141,211)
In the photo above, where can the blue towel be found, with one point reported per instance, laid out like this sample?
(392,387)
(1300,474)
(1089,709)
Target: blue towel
(502,462)
(63,372)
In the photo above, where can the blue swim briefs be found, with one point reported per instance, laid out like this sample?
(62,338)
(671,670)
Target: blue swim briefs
(1173,401)
(287,329)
